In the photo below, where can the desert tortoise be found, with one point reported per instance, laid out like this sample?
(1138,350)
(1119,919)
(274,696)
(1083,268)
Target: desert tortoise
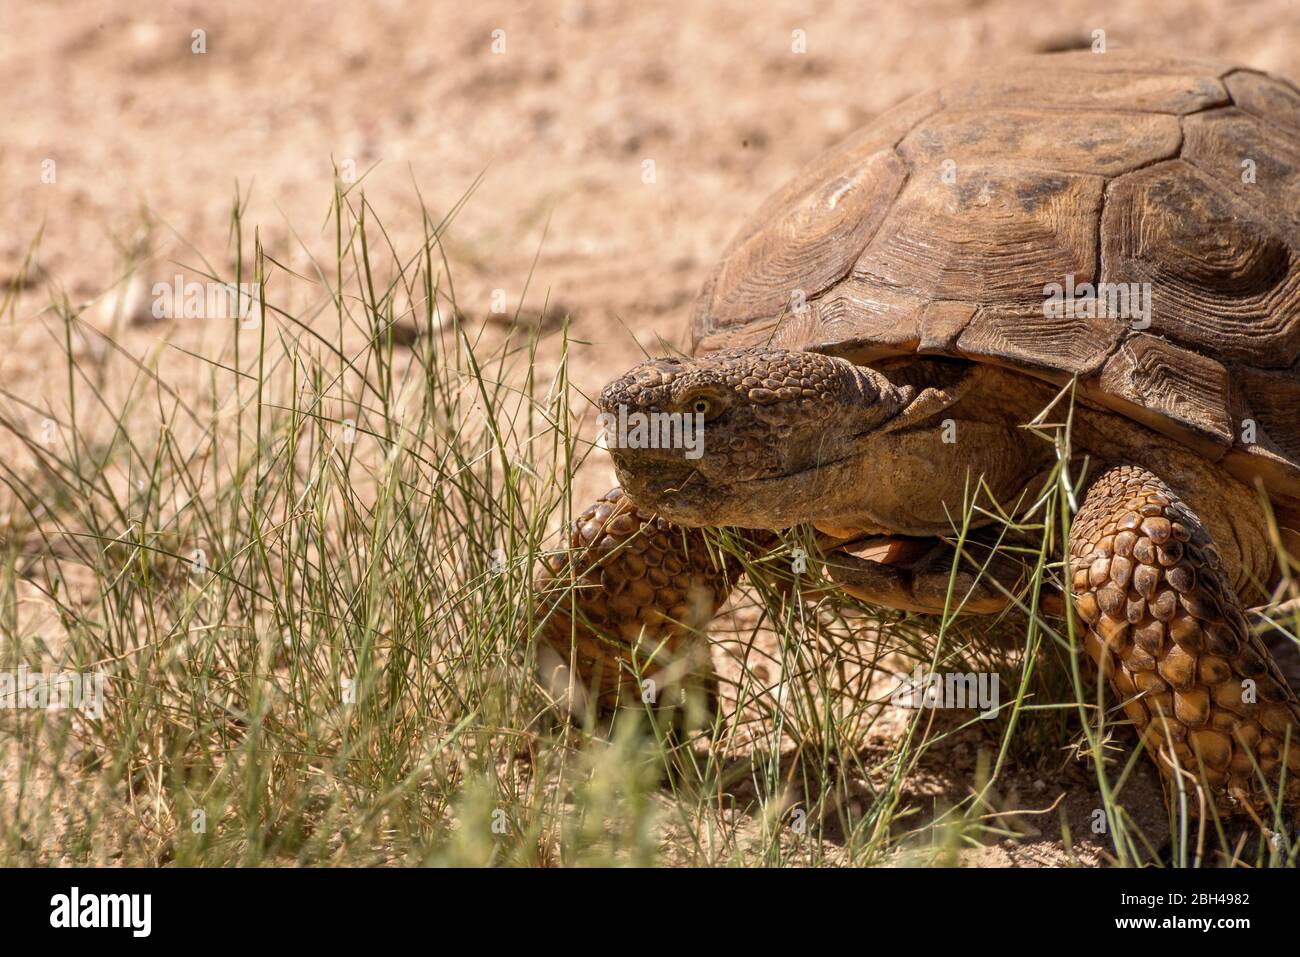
(1115,233)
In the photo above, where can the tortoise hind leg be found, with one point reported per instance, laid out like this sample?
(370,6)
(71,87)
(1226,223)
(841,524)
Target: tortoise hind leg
(624,612)
(1169,630)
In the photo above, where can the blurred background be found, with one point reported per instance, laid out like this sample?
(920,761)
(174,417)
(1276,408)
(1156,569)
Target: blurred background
(618,144)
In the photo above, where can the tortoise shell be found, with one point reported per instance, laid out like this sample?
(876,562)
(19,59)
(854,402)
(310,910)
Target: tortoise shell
(940,227)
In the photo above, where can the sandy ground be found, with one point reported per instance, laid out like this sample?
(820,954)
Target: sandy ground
(562,124)
(620,145)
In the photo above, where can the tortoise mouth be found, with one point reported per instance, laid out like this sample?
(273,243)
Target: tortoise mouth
(686,495)
(896,551)
(667,473)
(664,481)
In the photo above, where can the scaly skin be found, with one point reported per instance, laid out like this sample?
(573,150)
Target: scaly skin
(796,437)
(632,591)
(1167,628)
(776,425)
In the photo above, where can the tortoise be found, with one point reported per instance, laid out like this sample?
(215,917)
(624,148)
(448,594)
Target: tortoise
(1116,231)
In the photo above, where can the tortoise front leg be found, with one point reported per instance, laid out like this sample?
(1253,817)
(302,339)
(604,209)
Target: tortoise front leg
(624,611)
(1166,626)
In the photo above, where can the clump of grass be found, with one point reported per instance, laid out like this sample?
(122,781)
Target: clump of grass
(303,560)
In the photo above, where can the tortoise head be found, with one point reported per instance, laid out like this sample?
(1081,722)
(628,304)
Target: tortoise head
(758,438)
